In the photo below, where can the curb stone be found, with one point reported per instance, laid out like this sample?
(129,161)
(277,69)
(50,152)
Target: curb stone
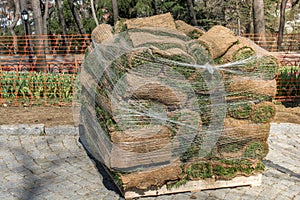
(41,129)
(62,130)
(38,129)
(22,129)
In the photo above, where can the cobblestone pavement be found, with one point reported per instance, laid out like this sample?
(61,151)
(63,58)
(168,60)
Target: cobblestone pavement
(57,167)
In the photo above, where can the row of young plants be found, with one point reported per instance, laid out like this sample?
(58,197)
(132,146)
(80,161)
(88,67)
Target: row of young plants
(288,81)
(36,86)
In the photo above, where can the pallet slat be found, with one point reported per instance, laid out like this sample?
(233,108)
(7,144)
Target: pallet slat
(195,186)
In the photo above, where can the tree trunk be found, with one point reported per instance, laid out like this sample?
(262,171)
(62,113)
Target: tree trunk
(259,20)
(94,13)
(281,24)
(17,15)
(154,6)
(76,17)
(192,12)
(39,47)
(115,10)
(45,28)
(62,21)
(37,17)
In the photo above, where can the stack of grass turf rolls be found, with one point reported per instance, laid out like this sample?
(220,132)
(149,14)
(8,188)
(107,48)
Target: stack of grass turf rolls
(155,108)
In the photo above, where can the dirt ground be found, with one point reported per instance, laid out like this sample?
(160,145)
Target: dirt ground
(49,115)
(55,115)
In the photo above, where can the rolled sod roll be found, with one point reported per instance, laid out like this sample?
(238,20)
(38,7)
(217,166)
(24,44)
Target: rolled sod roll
(142,140)
(217,40)
(189,30)
(239,110)
(248,149)
(263,112)
(101,33)
(238,86)
(267,67)
(241,131)
(151,178)
(241,50)
(160,21)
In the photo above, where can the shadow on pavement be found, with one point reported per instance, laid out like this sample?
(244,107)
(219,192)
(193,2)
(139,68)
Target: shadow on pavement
(281,169)
(108,181)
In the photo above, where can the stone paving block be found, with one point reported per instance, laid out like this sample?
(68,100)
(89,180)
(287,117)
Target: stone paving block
(56,147)
(13,177)
(271,194)
(51,156)
(220,194)
(297,197)
(22,129)
(294,190)
(111,196)
(7,196)
(41,143)
(59,163)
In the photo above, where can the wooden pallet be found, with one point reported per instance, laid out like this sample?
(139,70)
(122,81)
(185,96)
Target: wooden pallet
(195,186)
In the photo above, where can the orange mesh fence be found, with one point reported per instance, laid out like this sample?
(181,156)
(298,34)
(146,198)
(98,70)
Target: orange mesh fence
(40,68)
(44,44)
(43,68)
(290,42)
(288,80)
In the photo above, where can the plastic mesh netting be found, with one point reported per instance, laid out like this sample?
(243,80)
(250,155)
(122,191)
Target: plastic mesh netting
(152,103)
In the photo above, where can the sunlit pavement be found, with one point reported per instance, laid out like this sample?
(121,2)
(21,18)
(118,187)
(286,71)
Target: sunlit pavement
(56,166)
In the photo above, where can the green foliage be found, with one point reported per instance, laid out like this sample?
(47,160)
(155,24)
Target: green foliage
(117,178)
(36,85)
(239,110)
(177,184)
(218,169)
(263,113)
(144,8)
(255,150)
(288,81)
(199,170)
(228,169)
(231,147)
(177,8)
(271,15)
(193,150)
(244,55)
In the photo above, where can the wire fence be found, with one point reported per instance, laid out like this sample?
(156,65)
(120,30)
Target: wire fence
(42,69)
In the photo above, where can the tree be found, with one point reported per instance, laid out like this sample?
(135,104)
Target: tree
(61,16)
(115,10)
(144,8)
(39,41)
(17,15)
(210,13)
(281,23)
(94,12)
(76,17)
(259,20)
(37,17)
(45,27)
(192,12)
